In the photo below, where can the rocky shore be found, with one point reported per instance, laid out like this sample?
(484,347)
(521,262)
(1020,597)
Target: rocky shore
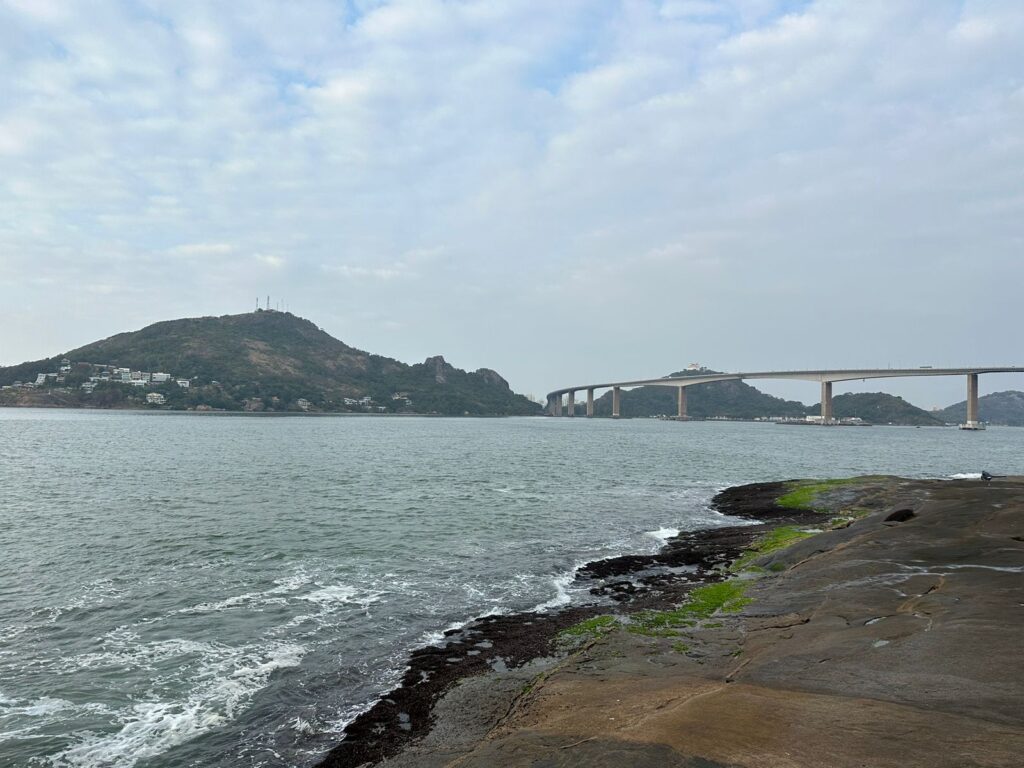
(887,638)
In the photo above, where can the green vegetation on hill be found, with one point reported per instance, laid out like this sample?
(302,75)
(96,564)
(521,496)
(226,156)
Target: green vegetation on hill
(269,360)
(730,399)
(739,400)
(878,408)
(1005,408)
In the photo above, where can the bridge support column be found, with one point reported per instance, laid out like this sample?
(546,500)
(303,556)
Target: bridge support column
(972,403)
(681,404)
(590,403)
(616,401)
(826,402)
(556,405)
(572,404)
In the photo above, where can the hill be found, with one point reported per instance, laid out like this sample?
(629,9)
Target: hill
(1005,408)
(261,360)
(739,400)
(878,408)
(729,399)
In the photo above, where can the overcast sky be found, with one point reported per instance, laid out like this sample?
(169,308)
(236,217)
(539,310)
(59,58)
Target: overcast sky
(563,191)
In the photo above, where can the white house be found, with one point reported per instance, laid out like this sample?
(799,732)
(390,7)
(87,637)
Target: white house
(155,398)
(183,383)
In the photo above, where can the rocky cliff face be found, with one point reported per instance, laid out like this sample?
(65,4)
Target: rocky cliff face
(492,377)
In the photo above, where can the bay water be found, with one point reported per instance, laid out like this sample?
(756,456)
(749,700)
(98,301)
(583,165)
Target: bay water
(205,590)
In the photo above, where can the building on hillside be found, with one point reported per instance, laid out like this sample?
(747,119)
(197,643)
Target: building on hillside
(155,398)
(303,403)
(350,401)
(88,387)
(160,378)
(40,378)
(183,383)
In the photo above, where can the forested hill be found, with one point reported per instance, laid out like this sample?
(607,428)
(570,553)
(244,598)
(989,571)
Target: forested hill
(879,408)
(739,400)
(261,360)
(730,399)
(998,408)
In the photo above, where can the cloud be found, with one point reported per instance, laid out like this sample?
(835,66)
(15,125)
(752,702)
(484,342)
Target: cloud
(202,249)
(270,260)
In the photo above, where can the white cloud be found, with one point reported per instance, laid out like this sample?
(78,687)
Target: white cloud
(202,249)
(270,260)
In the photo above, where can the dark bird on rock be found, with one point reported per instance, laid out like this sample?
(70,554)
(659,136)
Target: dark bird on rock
(986,476)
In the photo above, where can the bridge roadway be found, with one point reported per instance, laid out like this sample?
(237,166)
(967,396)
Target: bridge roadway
(824,377)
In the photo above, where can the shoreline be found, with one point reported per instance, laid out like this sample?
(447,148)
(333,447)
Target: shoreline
(484,688)
(529,640)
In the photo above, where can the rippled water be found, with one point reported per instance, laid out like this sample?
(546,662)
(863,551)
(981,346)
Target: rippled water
(211,590)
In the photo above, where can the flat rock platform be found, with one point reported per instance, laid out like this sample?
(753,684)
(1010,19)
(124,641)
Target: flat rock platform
(897,640)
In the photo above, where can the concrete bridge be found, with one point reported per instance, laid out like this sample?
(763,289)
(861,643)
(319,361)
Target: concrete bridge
(825,377)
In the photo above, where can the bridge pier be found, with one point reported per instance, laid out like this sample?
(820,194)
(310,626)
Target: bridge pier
(572,403)
(972,403)
(590,403)
(555,405)
(616,401)
(826,402)
(681,404)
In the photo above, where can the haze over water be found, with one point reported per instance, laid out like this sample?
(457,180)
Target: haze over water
(202,590)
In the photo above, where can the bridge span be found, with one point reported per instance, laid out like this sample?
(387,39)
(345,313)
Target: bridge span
(824,377)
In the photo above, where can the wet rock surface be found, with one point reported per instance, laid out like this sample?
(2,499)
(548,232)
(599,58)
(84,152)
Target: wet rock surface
(497,644)
(880,643)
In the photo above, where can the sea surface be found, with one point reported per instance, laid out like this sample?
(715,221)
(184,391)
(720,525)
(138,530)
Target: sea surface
(202,590)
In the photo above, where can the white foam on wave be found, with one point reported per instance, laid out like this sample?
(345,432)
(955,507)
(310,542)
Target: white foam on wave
(663,534)
(965,476)
(284,591)
(224,684)
(334,593)
(330,599)
(562,597)
(222,605)
(42,707)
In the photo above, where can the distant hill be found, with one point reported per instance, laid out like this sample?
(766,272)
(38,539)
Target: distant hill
(879,408)
(262,360)
(730,399)
(998,408)
(739,400)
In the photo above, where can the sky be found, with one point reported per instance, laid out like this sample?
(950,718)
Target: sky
(567,192)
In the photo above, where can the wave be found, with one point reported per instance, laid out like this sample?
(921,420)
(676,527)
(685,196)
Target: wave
(224,684)
(663,534)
